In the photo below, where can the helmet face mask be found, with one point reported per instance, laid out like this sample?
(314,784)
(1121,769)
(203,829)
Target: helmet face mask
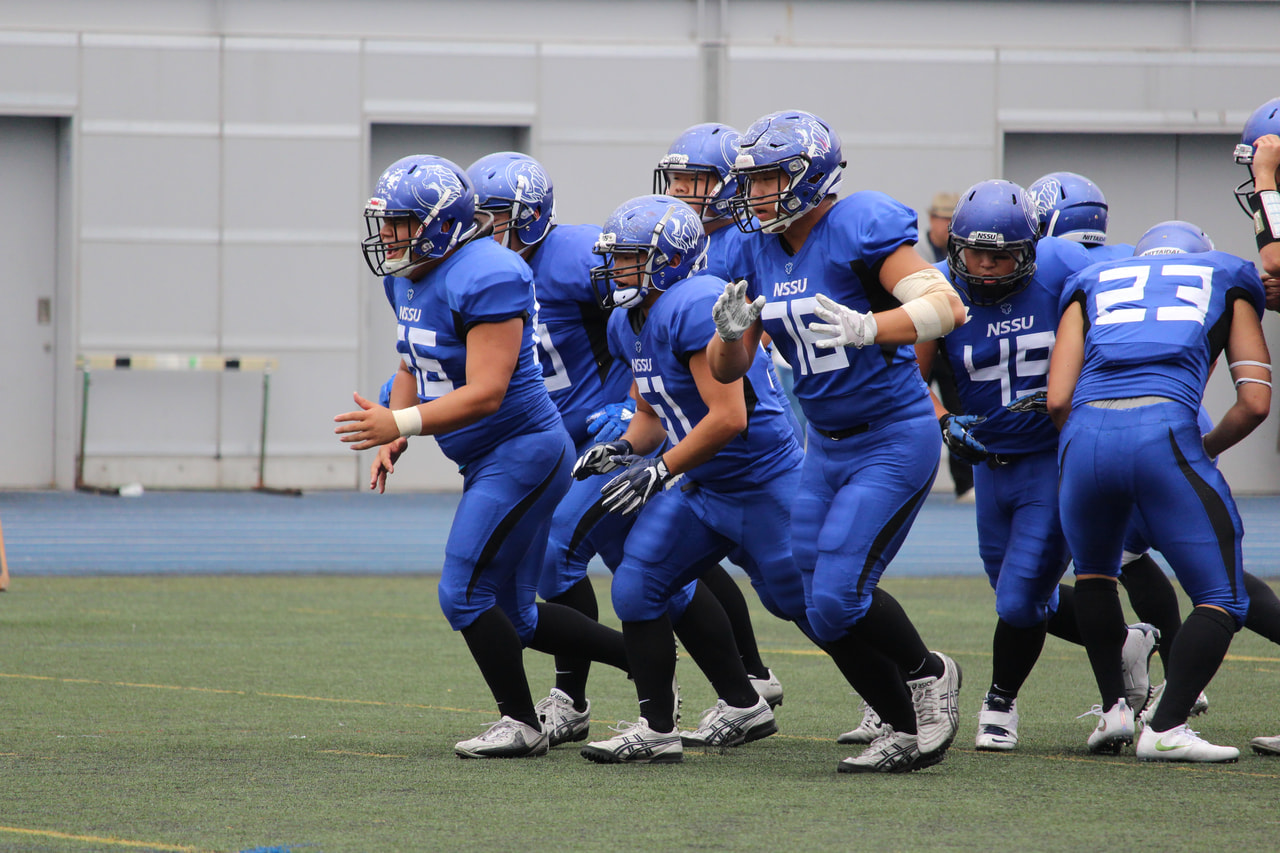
(430,191)
(648,243)
(1174,237)
(1071,207)
(1264,120)
(803,151)
(516,184)
(998,217)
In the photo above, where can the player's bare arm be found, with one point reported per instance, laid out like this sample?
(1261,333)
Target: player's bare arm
(1065,363)
(492,352)
(726,417)
(1249,361)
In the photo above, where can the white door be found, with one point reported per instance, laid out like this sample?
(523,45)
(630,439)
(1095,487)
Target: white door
(424,467)
(28,276)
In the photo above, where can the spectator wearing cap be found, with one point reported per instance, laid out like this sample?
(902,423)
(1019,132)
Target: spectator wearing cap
(934,246)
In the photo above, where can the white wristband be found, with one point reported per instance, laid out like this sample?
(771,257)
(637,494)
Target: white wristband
(408,421)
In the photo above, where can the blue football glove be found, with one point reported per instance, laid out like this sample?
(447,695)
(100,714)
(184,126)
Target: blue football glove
(611,422)
(629,491)
(1037,402)
(603,458)
(384,394)
(956,435)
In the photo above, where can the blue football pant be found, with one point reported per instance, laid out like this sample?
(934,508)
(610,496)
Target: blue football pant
(495,548)
(1020,536)
(1150,462)
(856,501)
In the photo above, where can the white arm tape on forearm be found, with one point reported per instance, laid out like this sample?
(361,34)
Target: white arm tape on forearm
(408,421)
(927,297)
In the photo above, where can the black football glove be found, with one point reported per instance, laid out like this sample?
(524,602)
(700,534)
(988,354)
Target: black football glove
(956,435)
(631,489)
(1037,402)
(602,458)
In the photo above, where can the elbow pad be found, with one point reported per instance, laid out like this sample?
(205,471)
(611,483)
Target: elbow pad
(926,297)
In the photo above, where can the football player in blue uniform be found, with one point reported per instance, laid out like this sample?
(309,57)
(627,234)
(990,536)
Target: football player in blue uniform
(738,456)
(469,377)
(1073,207)
(1134,349)
(839,288)
(1010,280)
(698,170)
(1259,152)
(515,201)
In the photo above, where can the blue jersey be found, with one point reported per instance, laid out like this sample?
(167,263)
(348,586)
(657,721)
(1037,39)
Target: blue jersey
(724,252)
(1156,324)
(1002,353)
(679,325)
(842,387)
(1108,252)
(481,282)
(579,372)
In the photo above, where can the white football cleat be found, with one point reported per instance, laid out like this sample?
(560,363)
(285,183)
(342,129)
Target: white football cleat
(891,752)
(997,724)
(1139,646)
(937,705)
(724,725)
(1115,728)
(770,689)
(1266,745)
(868,730)
(560,720)
(1200,706)
(506,738)
(636,743)
(1182,744)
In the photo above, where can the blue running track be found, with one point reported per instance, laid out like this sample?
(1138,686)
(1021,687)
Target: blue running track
(72,533)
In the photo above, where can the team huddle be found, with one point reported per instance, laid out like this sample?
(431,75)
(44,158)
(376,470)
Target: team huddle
(612,392)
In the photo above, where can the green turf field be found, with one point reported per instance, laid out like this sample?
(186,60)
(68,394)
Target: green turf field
(319,714)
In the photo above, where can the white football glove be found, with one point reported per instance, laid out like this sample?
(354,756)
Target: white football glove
(733,313)
(848,328)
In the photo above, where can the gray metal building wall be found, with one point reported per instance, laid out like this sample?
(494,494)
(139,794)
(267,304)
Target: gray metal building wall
(213,157)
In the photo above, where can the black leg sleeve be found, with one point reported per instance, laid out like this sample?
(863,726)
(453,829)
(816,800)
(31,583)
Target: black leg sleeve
(495,646)
(1264,608)
(1102,627)
(730,596)
(1202,644)
(705,632)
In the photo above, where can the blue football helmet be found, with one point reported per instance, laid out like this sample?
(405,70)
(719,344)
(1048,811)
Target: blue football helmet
(1071,207)
(667,235)
(997,216)
(806,151)
(707,150)
(1174,237)
(515,183)
(435,195)
(1265,120)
